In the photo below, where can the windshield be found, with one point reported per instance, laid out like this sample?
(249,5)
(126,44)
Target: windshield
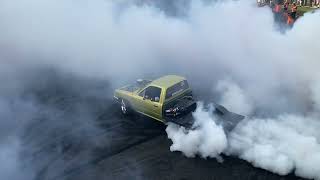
(177,88)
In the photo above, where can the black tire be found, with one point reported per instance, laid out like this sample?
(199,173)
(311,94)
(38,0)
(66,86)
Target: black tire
(125,107)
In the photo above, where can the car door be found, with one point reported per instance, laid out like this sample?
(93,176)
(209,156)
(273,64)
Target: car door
(137,102)
(151,101)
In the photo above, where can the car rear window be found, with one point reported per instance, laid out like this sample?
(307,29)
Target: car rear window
(177,88)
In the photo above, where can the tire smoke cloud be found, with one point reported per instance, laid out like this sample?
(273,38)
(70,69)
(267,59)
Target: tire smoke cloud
(283,144)
(207,140)
(274,76)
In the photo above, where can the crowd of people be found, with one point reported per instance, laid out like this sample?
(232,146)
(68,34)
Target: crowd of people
(287,10)
(310,3)
(305,3)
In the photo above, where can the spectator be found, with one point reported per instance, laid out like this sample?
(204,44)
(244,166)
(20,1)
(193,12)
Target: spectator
(260,2)
(271,3)
(286,6)
(294,9)
(277,8)
(304,2)
(290,20)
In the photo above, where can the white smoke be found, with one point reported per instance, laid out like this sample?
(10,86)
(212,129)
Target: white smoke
(233,97)
(285,143)
(274,73)
(315,94)
(12,167)
(207,140)
(281,145)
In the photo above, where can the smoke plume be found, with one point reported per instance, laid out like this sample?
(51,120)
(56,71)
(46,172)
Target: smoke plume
(207,140)
(286,143)
(233,46)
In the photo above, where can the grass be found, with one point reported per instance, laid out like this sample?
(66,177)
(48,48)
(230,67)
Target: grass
(304,9)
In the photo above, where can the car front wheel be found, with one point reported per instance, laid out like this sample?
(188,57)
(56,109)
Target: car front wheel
(124,107)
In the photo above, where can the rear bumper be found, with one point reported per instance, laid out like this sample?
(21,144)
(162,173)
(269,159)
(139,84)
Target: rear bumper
(228,120)
(186,121)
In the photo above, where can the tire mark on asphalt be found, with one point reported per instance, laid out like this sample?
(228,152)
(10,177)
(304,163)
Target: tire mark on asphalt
(101,158)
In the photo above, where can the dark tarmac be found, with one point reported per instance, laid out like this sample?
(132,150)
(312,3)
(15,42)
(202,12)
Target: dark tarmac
(80,134)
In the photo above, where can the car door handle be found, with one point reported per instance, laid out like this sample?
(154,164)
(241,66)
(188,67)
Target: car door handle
(155,105)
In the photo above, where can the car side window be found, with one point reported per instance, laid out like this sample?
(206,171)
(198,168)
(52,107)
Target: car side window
(152,93)
(142,93)
(176,89)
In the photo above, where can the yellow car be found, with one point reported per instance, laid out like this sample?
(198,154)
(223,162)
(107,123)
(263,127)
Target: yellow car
(166,99)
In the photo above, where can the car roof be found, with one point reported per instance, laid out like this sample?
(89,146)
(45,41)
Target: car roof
(167,81)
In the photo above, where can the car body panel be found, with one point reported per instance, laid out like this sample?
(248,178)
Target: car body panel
(167,81)
(145,106)
(174,105)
